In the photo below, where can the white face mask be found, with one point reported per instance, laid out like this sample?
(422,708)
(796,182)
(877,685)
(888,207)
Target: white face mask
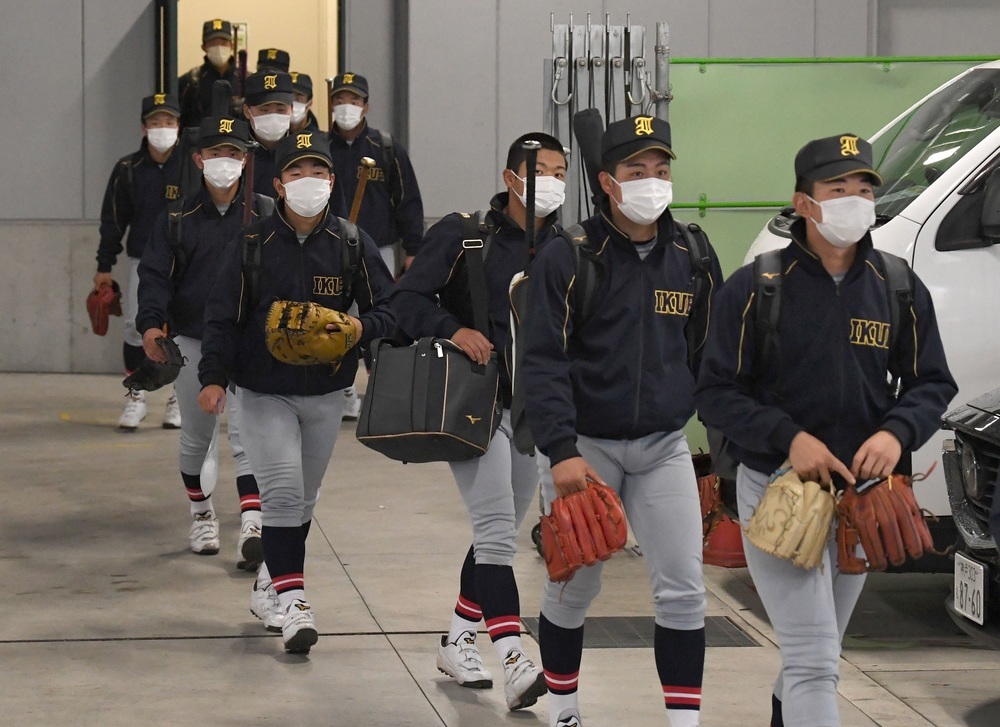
(307,196)
(644,200)
(218,55)
(162,139)
(550,193)
(845,219)
(298,112)
(222,172)
(347,115)
(271,127)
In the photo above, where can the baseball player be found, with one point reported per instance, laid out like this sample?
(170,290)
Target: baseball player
(391,209)
(195,86)
(289,415)
(140,187)
(823,401)
(176,273)
(267,106)
(273,59)
(498,487)
(608,398)
(303,119)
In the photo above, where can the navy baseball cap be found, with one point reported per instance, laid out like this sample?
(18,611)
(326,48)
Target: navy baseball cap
(265,86)
(160,102)
(835,156)
(353,82)
(221,130)
(273,59)
(624,139)
(307,145)
(216,29)
(302,83)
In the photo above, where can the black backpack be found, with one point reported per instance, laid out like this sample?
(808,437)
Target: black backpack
(766,313)
(589,278)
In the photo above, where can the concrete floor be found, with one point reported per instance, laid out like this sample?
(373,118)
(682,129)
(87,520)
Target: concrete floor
(110,620)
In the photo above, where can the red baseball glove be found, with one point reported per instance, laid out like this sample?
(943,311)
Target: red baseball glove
(708,494)
(103,302)
(583,528)
(886,520)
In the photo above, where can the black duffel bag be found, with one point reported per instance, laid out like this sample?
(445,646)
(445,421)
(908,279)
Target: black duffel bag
(429,402)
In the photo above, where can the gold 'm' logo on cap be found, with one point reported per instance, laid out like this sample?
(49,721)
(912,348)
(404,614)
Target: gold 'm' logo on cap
(304,141)
(216,25)
(348,78)
(159,99)
(225,126)
(270,81)
(849,146)
(643,125)
(295,76)
(272,54)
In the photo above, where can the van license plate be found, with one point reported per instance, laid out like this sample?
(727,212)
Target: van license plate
(970,588)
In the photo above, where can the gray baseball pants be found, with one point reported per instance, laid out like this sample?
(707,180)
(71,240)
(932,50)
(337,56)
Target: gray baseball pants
(655,479)
(498,489)
(197,427)
(809,611)
(289,441)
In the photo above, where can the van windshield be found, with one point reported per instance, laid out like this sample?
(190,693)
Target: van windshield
(918,148)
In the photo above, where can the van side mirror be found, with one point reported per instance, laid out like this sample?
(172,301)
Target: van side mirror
(990,216)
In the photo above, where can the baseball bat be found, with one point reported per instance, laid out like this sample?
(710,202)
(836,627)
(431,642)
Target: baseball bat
(210,467)
(530,161)
(588,128)
(367,164)
(329,104)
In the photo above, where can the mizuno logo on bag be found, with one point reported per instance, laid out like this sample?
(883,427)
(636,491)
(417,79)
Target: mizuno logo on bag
(472,419)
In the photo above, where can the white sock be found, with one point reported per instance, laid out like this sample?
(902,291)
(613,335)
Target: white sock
(204,506)
(504,645)
(286,598)
(683,717)
(253,516)
(459,626)
(560,704)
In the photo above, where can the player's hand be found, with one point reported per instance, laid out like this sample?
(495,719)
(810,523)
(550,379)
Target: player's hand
(153,351)
(572,475)
(811,460)
(474,344)
(101,278)
(877,457)
(212,399)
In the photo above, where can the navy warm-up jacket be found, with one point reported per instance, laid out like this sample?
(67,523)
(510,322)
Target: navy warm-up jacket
(623,373)
(135,208)
(382,217)
(439,273)
(203,235)
(233,347)
(829,376)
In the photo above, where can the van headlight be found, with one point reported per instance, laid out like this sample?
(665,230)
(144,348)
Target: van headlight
(971,479)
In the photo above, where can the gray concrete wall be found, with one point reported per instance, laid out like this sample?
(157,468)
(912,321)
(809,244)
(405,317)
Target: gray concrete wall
(455,80)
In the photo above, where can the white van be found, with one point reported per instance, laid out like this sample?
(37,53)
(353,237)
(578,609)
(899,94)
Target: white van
(940,209)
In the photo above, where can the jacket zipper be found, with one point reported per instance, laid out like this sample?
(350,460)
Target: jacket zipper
(642,336)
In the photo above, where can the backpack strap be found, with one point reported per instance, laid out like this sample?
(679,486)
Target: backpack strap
(767,275)
(175,214)
(700,252)
(477,237)
(252,244)
(389,160)
(350,260)
(264,205)
(899,288)
(588,270)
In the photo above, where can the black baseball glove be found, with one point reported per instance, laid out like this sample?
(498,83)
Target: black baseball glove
(152,375)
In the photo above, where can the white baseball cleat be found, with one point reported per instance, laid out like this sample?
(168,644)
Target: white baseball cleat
(265,606)
(352,405)
(204,537)
(249,553)
(569,718)
(134,411)
(524,682)
(172,414)
(461,661)
(299,628)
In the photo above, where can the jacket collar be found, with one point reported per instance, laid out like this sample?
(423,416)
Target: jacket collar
(664,226)
(286,228)
(811,261)
(505,222)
